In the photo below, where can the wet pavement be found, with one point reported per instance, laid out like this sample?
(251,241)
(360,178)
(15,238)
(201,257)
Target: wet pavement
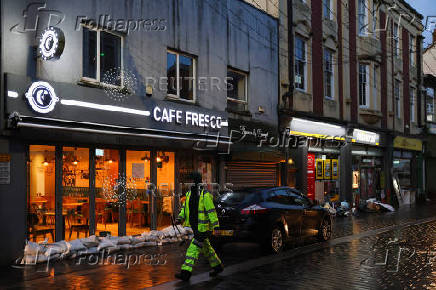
(351,260)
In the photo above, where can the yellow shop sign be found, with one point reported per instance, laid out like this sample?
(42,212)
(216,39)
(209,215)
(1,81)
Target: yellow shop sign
(408,143)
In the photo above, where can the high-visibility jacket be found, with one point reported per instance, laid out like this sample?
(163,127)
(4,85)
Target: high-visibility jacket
(207,217)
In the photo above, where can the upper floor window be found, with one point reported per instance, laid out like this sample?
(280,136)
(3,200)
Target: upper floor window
(374,18)
(181,76)
(363,85)
(412,48)
(430,104)
(375,86)
(412,105)
(327,9)
(397,95)
(363,17)
(396,41)
(237,90)
(102,56)
(300,63)
(328,74)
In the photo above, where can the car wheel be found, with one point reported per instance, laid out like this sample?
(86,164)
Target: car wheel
(276,240)
(325,230)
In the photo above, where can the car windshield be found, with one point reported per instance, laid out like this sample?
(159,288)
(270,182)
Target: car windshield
(237,197)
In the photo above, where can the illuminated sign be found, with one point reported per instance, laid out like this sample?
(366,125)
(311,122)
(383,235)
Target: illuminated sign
(51,43)
(366,137)
(316,129)
(41,97)
(187,118)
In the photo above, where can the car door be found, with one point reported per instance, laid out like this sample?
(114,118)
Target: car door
(310,216)
(290,212)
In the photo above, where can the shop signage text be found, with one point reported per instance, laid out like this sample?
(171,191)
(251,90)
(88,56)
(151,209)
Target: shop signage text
(188,118)
(407,143)
(366,137)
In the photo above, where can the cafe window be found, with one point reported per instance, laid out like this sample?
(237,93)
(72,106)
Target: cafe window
(181,71)
(138,204)
(237,90)
(102,57)
(107,183)
(41,193)
(165,188)
(75,197)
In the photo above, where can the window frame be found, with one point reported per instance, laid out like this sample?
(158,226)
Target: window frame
(245,74)
(412,105)
(396,38)
(397,97)
(362,11)
(331,72)
(304,61)
(194,77)
(412,47)
(375,93)
(98,80)
(374,19)
(327,9)
(367,85)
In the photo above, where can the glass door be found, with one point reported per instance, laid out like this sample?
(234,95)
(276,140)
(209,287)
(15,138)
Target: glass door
(138,201)
(41,193)
(107,183)
(75,195)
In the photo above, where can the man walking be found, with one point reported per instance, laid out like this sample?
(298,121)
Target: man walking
(198,212)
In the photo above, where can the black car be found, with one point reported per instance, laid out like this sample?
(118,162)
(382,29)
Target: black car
(270,216)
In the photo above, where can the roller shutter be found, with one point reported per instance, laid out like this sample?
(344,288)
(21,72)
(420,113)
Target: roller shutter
(251,174)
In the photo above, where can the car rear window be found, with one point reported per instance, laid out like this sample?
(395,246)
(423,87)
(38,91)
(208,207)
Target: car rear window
(238,197)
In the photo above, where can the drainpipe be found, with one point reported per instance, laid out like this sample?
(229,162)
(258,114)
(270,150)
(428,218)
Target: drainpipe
(290,55)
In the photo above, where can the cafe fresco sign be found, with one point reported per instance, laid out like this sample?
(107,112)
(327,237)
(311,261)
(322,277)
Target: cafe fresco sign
(42,99)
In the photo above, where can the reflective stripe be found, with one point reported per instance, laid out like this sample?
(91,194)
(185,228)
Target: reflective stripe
(215,223)
(197,243)
(188,264)
(211,210)
(191,258)
(203,221)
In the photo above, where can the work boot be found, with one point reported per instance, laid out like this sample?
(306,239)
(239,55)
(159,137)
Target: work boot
(183,275)
(216,270)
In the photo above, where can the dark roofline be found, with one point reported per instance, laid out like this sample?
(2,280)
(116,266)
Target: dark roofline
(412,9)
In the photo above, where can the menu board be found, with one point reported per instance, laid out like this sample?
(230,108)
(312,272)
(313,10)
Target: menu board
(311,176)
(327,169)
(335,168)
(319,169)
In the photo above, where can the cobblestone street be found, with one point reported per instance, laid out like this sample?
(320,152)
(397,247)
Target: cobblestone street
(354,258)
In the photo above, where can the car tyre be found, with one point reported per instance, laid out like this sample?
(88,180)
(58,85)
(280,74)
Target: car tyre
(325,230)
(276,241)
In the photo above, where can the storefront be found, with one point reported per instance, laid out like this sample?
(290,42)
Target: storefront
(318,157)
(94,168)
(407,169)
(369,180)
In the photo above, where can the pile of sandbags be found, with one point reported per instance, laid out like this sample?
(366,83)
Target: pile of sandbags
(35,253)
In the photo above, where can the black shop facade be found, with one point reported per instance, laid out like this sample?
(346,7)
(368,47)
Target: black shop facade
(80,164)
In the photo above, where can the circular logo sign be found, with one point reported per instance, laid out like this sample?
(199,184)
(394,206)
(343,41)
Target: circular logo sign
(51,43)
(41,97)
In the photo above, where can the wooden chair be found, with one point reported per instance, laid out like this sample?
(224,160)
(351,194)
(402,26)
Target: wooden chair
(79,220)
(36,230)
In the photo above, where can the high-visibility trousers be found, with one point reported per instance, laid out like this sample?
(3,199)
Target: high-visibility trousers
(195,248)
